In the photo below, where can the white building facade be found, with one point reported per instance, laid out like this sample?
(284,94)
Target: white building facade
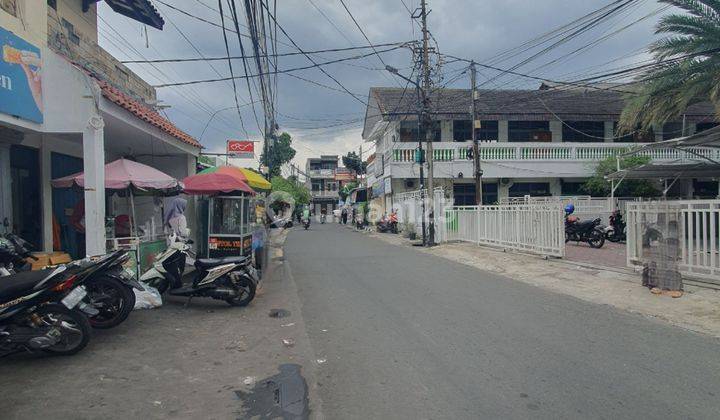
(538,143)
(69,106)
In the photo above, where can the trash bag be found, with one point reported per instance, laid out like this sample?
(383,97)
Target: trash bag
(148,298)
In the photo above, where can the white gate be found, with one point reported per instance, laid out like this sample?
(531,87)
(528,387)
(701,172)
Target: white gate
(586,207)
(538,228)
(694,222)
(409,206)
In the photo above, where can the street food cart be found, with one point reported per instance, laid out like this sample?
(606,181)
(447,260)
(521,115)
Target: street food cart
(228,211)
(126,183)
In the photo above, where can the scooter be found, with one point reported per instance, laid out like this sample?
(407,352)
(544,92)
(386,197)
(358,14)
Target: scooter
(306,223)
(615,232)
(232,279)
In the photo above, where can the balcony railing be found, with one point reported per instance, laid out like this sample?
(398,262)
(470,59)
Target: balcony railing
(324,194)
(448,152)
(321,173)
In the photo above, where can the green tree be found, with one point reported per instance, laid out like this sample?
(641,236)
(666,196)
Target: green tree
(688,69)
(299,193)
(280,152)
(598,186)
(345,190)
(353,161)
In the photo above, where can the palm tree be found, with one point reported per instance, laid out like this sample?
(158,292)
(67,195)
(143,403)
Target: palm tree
(687,68)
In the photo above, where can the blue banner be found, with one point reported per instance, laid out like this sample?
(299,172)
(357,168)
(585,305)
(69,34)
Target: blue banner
(20,78)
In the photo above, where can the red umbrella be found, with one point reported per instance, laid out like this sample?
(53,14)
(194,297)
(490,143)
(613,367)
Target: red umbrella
(215,183)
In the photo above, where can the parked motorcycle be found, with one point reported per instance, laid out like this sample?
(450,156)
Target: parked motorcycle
(589,231)
(615,232)
(232,279)
(109,288)
(14,253)
(388,224)
(39,310)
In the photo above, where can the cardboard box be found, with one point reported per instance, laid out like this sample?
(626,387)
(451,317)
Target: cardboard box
(59,258)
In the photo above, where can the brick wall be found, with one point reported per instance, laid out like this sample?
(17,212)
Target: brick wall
(66,40)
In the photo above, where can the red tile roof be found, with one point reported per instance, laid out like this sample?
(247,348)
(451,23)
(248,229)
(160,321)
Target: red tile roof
(144,113)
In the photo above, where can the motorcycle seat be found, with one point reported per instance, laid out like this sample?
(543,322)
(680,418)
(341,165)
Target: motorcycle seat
(214,262)
(586,223)
(15,285)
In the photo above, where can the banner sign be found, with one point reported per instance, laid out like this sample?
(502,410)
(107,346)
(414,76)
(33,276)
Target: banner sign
(20,78)
(241,149)
(229,246)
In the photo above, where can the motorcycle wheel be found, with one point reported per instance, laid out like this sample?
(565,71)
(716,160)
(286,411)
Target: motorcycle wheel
(246,295)
(74,325)
(567,237)
(596,239)
(113,299)
(160,284)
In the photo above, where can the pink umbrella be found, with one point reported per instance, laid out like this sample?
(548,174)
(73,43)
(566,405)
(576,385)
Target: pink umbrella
(122,174)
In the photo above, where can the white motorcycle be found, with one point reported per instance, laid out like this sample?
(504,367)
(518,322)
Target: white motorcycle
(232,279)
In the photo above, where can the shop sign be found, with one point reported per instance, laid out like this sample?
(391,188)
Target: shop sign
(241,149)
(388,185)
(20,78)
(378,189)
(229,246)
(342,174)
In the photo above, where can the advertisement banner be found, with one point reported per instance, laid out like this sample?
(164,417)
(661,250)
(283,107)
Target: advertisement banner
(241,149)
(229,246)
(20,78)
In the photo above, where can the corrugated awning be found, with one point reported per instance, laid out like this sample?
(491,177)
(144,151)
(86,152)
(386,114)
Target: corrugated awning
(669,171)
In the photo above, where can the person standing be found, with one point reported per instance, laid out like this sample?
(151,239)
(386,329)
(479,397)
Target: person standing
(175,217)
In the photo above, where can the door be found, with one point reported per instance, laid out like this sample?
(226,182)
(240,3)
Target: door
(64,202)
(25,193)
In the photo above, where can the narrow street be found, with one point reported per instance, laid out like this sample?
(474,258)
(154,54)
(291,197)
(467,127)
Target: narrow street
(400,334)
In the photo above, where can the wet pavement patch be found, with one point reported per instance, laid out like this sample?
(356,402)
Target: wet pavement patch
(284,395)
(279,313)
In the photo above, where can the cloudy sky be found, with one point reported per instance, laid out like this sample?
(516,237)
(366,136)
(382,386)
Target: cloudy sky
(327,121)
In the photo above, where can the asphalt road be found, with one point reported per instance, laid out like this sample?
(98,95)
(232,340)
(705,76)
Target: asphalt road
(400,334)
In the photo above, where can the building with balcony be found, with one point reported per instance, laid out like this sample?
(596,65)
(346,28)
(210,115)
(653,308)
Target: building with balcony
(320,180)
(533,142)
(66,106)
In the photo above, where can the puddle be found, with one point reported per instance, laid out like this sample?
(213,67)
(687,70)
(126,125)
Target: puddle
(284,396)
(279,313)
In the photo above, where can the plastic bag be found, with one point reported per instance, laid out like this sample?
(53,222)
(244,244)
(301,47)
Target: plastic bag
(148,298)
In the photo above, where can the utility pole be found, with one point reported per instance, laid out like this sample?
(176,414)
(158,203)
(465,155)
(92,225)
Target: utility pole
(476,142)
(421,160)
(427,122)
(360,167)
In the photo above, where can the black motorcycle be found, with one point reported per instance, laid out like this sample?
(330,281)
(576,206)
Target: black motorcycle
(616,231)
(109,288)
(232,279)
(588,231)
(40,311)
(14,253)
(306,223)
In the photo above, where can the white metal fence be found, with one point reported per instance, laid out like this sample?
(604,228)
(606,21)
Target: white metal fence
(538,228)
(410,212)
(696,225)
(586,207)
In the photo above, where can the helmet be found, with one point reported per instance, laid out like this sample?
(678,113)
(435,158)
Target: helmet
(569,208)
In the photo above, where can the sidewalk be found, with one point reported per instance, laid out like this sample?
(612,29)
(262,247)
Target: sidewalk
(698,310)
(205,360)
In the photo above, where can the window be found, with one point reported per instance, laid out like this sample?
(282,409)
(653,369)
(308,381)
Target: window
(462,130)
(572,188)
(488,131)
(408,131)
(583,131)
(72,36)
(705,126)
(9,6)
(52,3)
(521,131)
(229,215)
(534,189)
(316,186)
(672,130)
(705,189)
(489,193)
(464,194)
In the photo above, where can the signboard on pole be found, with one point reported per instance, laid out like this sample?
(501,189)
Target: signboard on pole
(241,149)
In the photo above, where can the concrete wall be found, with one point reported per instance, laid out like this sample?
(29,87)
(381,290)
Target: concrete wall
(87,53)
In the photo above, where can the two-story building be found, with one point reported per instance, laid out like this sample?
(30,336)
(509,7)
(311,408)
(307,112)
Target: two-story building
(67,105)
(533,142)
